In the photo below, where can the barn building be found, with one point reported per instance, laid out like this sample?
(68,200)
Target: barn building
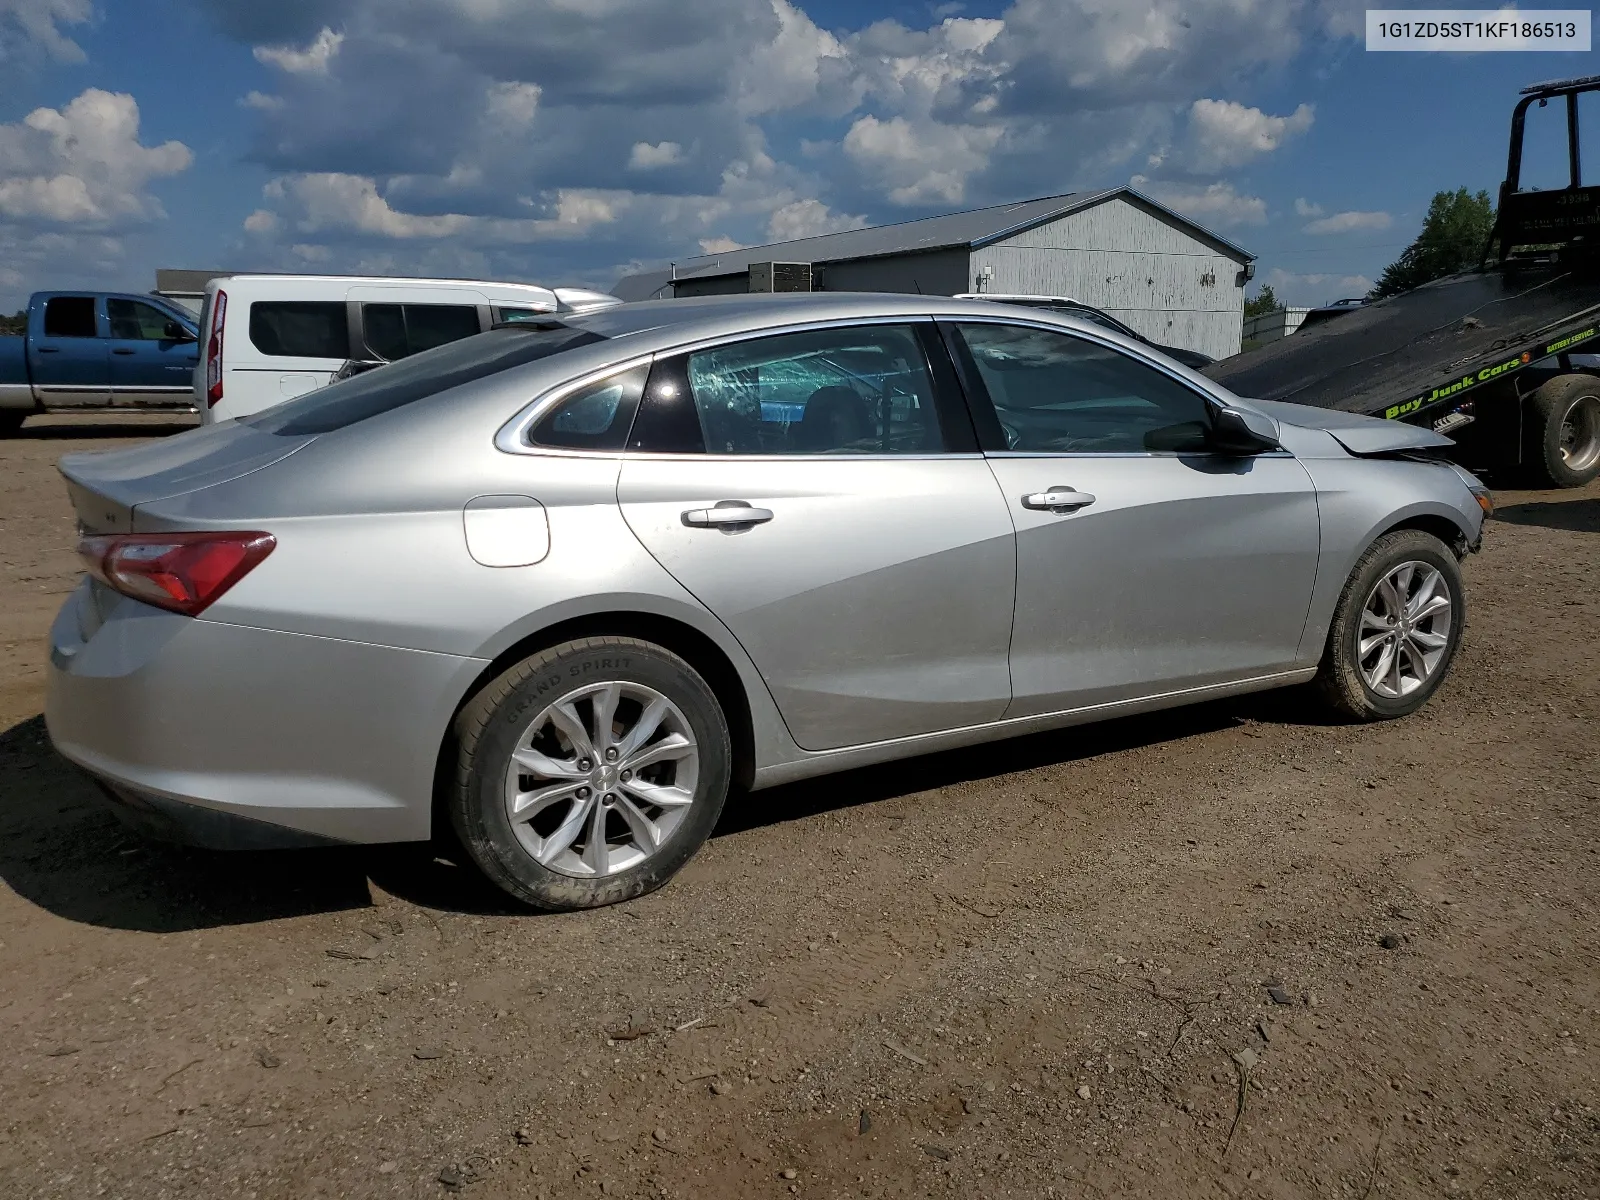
(1172,280)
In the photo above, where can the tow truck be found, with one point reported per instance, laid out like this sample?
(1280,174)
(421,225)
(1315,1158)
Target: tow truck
(1495,356)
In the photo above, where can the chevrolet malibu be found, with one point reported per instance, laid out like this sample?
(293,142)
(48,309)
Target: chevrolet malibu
(560,586)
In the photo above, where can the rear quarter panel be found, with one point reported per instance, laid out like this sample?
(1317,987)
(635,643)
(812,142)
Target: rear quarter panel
(372,545)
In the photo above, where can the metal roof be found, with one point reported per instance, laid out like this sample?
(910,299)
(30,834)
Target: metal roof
(972,229)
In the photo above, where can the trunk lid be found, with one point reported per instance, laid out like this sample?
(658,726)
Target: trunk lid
(106,487)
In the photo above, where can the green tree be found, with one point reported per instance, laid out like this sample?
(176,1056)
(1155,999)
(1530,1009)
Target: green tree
(1453,236)
(16,324)
(1263,303)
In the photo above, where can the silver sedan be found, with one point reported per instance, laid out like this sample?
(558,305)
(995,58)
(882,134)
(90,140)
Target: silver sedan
(560,587)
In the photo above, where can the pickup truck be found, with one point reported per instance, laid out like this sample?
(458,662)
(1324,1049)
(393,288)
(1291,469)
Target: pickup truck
(97,350)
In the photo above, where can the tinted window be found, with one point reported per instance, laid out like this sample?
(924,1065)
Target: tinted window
(132,320)
(835,391)
(397,330)
(1055,393)
(418,377)
(69,316)
(519,314)
(596,417)
(300,328)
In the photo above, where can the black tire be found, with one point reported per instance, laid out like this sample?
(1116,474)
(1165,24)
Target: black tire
(499,717)
(1340,680)
(11,420)
(1562,444)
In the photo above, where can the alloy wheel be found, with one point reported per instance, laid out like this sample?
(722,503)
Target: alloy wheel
(601,778)
(1405,629)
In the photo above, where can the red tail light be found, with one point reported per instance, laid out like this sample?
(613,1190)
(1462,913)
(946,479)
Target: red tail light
(219,317)
(183,572)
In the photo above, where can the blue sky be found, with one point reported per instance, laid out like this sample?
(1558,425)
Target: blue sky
(570,141)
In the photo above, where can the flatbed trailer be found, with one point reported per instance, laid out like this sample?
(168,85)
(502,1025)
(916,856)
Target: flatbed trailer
(1486,356)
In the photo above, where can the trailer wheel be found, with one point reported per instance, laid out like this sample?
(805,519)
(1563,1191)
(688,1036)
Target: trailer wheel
(1563,431)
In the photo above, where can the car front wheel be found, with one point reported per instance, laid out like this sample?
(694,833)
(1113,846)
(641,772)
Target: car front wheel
(1395,629)
(590,772)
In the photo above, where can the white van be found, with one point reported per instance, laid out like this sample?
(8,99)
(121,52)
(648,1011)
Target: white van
(268,338)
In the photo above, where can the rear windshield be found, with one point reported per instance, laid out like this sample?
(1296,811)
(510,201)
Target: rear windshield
(384,389)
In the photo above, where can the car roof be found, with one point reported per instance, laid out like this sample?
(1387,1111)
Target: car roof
(714,315)
(290,285)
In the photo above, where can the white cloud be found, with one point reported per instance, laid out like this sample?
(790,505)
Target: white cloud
(38,22)
(1215,204)
(324,202)
(1226,134)
(1314,288)
(809,218)
(786,71)
(645,157)
(514,103)
(719,245)
(262,221)
(1304,208)
(313,60)
(1349,222)
(920,163)
(261,101)
(83,164)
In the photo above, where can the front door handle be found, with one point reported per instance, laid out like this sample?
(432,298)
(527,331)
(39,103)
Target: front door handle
(1059,499)
(48,349)
(121,350)
(726,514)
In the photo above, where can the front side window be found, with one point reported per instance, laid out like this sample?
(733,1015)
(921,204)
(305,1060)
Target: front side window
(395,331)
(864,390)
(300,328)
(70,317)
(1054,393)
(132,320)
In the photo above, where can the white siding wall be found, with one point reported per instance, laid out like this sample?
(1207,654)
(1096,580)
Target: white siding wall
(1152,276)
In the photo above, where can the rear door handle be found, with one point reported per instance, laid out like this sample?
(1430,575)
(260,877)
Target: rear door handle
(726,514)
(121,350)
(48,349)
(1059,499)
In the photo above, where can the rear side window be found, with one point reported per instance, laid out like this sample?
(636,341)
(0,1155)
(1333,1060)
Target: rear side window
(69,317)
(395,331)
(300,328)
(596,417)
(387,388)
(864,390)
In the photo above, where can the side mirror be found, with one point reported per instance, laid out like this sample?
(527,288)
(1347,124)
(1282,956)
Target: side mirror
(175,332)
(1237,431)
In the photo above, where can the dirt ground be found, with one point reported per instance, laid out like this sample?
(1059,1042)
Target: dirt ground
(1228,951)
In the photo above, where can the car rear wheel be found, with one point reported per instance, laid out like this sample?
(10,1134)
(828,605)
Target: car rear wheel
(589,773)
(1563,446)
(1395,630)
(11,420)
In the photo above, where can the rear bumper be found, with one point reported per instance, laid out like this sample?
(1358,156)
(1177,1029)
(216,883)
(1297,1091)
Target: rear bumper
(194,825)
(228,736)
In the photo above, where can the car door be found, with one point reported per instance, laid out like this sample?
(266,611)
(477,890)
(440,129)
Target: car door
(68,354)
(147,361)
(823,496)
(1146,563)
